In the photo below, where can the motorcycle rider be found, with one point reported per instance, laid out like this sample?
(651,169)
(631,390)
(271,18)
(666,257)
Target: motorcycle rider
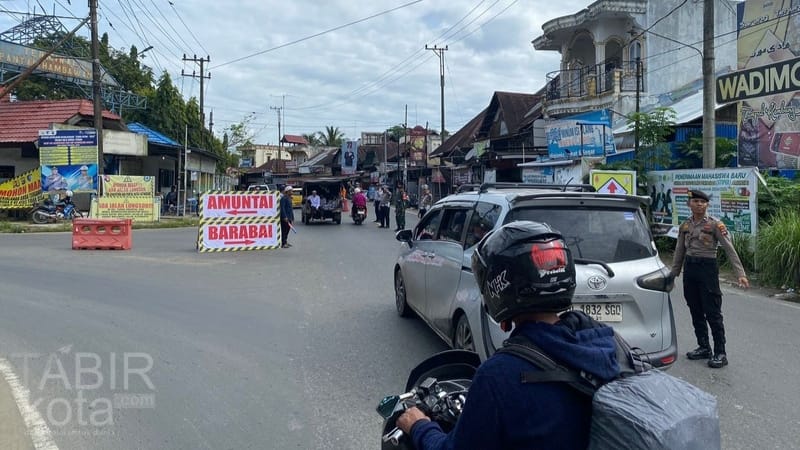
(526,277)
(359,201)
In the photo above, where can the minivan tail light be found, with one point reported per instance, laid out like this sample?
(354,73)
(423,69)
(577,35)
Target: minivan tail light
(660,280)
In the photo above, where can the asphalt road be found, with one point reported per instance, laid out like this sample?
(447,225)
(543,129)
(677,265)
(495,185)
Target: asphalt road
(283,349)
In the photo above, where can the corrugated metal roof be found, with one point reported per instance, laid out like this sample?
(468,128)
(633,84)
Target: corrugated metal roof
(294,139)
(20,122)
(153,136)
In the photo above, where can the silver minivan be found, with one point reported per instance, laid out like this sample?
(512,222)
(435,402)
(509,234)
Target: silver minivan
(621,280)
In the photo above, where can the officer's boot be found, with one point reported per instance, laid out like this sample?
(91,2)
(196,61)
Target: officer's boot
(703,350)
(720,359)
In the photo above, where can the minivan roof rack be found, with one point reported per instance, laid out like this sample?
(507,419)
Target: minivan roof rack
(564,187)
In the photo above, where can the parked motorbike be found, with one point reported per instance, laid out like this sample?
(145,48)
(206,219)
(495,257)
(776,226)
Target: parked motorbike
(53,211)
(359,214)
(438,386)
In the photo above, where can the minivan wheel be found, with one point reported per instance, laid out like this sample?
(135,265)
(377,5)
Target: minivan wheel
(463,335)
(400,295)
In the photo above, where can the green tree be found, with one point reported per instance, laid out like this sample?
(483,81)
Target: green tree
(396,132)
(331,137)
(654,152)
(312,139)
(692,152)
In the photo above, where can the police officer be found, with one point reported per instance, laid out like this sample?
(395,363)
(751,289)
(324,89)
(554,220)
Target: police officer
(696,252)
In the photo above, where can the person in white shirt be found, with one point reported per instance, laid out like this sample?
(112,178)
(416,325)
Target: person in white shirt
(315,201)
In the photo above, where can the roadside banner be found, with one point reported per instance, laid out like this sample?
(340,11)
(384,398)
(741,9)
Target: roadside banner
(615,182)
(135,207)
(68,159)
(237,221)
(21,191)
(128,185)
(732,192)
(348,157)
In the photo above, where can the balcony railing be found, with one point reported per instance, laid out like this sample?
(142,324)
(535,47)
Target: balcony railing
(594,80)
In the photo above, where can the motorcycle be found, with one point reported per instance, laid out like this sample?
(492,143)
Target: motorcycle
(438,386)
(359,214)
(50,211)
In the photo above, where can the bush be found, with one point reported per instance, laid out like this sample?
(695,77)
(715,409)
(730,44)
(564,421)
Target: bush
(743,244)
(779,193)
(779,248)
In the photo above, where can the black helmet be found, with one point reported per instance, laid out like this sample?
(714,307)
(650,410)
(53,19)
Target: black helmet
(524,267)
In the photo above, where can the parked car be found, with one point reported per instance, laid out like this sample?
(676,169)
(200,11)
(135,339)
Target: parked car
(262,187)
(620,278)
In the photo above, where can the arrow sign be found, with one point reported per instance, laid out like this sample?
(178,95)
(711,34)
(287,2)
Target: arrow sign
(236,212)
(612,187)
(245,242)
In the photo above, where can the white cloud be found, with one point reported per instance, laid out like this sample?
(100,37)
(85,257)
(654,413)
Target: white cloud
(358,78)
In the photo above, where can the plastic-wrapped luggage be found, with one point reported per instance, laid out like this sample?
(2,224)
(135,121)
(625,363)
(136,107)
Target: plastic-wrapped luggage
(653,410)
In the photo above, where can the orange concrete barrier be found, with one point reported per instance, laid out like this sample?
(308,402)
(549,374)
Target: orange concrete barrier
(102,234)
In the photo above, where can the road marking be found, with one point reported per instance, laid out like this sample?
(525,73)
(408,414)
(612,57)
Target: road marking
(37,427)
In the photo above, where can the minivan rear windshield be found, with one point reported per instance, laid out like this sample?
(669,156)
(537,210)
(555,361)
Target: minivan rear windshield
(610,235)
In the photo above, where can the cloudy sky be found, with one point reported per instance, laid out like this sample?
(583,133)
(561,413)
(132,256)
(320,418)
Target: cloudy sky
(352,64)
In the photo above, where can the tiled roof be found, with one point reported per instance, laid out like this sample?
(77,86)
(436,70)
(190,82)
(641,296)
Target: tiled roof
(153,136)
(20,122)
(294,139)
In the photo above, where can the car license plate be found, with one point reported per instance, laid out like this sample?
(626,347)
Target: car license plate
(603,312)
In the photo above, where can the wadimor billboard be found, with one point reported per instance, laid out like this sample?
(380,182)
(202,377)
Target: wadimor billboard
(767,84)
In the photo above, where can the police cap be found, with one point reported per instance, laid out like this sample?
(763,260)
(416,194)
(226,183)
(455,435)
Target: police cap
(696,193)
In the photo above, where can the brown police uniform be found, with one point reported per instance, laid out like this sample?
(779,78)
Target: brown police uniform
(696,253)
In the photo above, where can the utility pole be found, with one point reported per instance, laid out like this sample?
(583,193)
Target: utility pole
(638,90)
(278,109)
(439,51)
(202,75)
(211,122)
(709,123)
(405,147)
(97,94)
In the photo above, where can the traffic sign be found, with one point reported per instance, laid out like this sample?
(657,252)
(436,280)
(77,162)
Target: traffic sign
(240,205)
(615,182)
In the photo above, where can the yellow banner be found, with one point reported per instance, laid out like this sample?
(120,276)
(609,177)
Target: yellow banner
(128,185)
(137,208)
(21,191)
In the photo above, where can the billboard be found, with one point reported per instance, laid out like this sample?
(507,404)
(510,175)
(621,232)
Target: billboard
(21,191)
(68,160)
(348,157)
(586,134)
(732,193)
(767,84)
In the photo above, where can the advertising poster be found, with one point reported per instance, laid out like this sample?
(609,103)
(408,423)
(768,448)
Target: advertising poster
(68,160)
(21,191)
(348,157)
(732,194)
(767,84)
(128,185)
(587,134)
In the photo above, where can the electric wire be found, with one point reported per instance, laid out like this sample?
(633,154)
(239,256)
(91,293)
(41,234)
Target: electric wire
(191,33)
(146,12)
(316,35)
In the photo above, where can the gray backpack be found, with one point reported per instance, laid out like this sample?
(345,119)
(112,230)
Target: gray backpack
(643,408)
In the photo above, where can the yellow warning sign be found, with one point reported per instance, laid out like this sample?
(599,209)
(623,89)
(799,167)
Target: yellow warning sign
(615,182)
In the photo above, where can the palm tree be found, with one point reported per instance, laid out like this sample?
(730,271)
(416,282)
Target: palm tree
(332,137)
(312,139)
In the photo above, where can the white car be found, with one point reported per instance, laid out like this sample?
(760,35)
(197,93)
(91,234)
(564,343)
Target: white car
(620,278)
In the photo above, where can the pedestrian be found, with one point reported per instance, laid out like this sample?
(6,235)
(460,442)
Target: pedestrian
(425,201)
(376,199)
(287,216)
(696,254)
(386,200)
(526,276)
(400,209)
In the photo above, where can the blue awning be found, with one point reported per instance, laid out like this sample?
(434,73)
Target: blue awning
(152,136)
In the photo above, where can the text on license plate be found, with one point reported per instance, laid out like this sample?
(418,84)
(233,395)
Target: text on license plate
(603,312)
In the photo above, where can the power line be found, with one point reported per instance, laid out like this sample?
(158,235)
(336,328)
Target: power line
(191,33)
(317,34)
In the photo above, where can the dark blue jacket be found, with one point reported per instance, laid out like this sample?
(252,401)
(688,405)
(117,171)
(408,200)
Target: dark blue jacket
(287,211)
(503,413)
